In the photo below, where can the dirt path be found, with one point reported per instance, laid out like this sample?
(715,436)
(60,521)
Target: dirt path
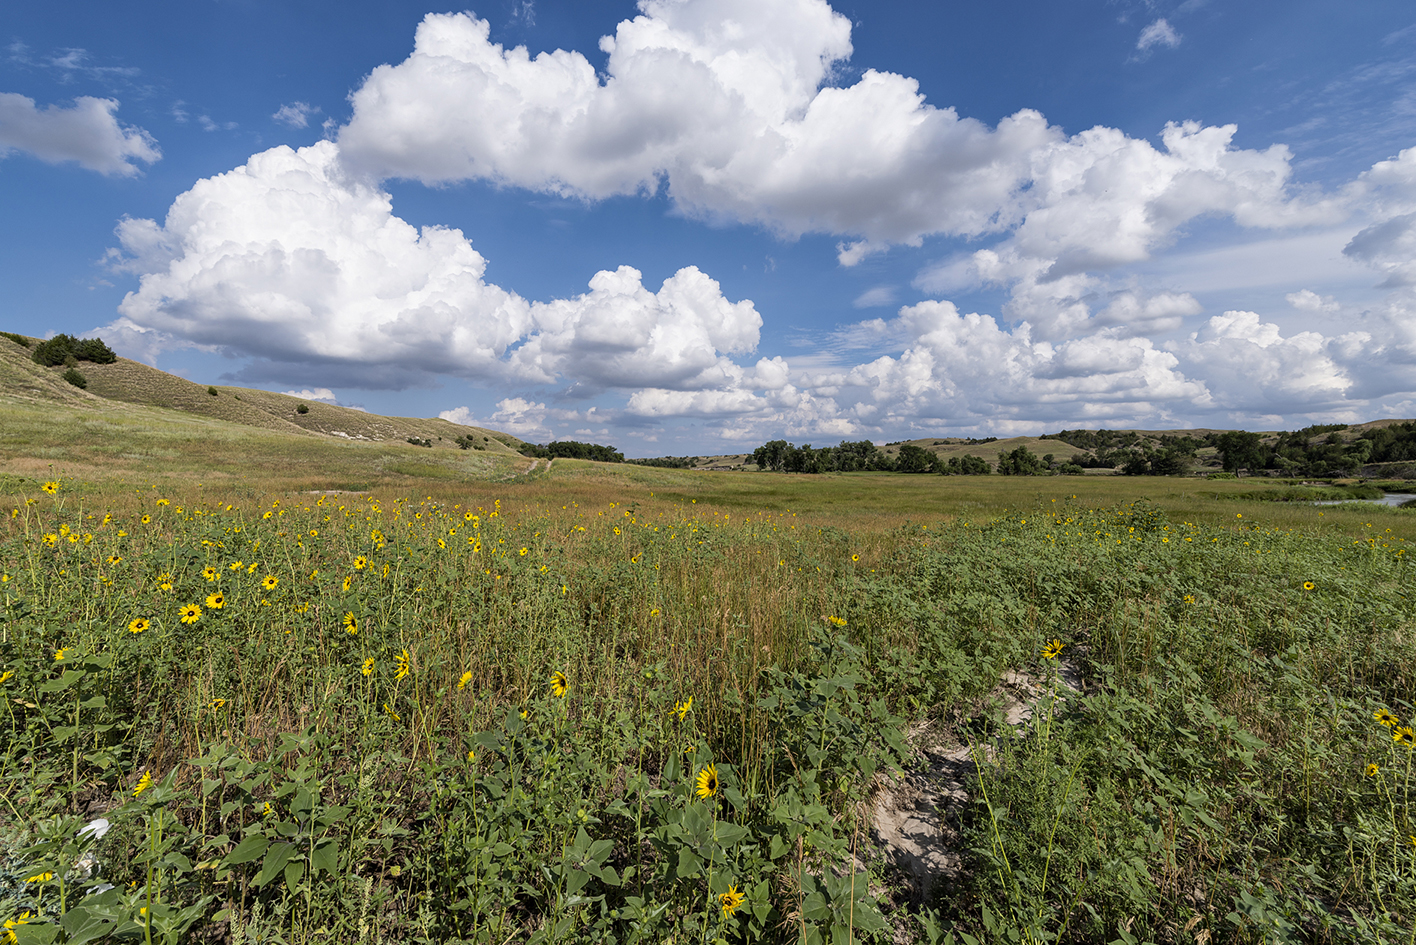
(915,817)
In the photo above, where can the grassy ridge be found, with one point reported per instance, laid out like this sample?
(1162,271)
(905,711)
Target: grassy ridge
(323,784)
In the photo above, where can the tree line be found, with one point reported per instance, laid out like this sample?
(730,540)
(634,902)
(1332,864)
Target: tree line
(863,456)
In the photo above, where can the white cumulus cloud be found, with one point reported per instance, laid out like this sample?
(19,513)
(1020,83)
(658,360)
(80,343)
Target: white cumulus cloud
(293,261)
(86,132)
(320,394)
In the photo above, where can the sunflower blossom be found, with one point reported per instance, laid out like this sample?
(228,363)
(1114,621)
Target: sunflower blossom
(681,709)
(559,685)
(730,901)
(707,782)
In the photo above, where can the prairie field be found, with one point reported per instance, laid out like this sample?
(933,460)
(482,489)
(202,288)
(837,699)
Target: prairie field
(621,704)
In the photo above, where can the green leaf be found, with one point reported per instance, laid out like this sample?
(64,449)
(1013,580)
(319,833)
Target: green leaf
(247,850)
(293,871)
(276,857)
(35,933)
(67,679)
(729,834)
(688,863)
(325,857)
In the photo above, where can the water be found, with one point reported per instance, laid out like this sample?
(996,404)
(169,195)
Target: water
(1392,499)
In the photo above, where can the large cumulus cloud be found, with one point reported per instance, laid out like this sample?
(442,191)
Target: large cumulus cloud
(86,132)
(735,109)
(293,260)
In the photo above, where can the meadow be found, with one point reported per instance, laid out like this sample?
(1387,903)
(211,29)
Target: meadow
(635,704)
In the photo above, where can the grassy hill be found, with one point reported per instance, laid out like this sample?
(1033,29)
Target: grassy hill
(133,419)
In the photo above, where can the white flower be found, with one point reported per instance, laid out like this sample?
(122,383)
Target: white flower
(96,830)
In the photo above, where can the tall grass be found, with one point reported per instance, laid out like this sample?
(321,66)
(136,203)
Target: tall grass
(358,737)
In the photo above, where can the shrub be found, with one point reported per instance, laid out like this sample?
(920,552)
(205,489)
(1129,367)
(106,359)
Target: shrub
(63,348)
(74,377)
(303,408)
(417,442)
(53,352)
(212,391)
(1071,469)
(20,340)
(93,349)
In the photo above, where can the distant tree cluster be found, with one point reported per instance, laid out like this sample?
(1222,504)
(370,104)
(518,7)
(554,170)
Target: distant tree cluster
(570,449)
(1316,451)
(781,456)
(862,456)
(667,462)
(66,349)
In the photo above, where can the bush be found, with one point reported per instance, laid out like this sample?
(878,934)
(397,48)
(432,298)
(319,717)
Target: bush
(212,391)
(1071,469)
(303,408)
(62,348)
(20,340)
(74,377)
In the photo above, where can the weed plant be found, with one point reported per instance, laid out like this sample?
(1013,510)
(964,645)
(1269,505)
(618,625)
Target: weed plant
(355,719)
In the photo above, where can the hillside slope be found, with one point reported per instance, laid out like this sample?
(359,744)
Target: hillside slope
(131,382)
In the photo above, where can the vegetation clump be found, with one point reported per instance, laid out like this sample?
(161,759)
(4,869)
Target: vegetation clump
(302,408)
(20,340)
(570,449)
(73,376)
(65,349)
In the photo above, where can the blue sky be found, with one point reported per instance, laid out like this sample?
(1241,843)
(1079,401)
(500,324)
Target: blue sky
(732,220)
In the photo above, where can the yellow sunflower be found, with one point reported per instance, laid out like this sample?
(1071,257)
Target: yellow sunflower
(559,685)
(730,900)
(269,582)
(138,624)
(1385,717)
(707,783)
(681,709)
(216,601)
(350,622)
(190,613)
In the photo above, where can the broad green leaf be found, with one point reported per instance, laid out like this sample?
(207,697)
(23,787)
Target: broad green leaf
(325,857)
(247,850)
(277,855)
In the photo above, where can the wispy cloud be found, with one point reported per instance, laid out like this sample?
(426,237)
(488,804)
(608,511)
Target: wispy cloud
(296,114)
(1159,33)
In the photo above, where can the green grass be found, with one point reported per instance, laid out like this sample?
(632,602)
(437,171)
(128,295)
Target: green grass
(1213,778)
